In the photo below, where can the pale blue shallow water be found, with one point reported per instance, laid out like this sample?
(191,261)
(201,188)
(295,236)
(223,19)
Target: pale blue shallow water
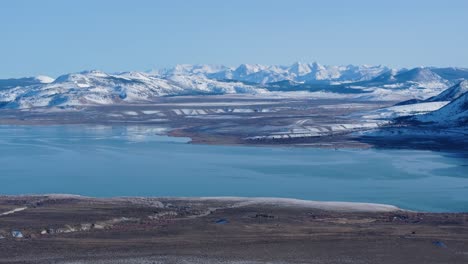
(132,161)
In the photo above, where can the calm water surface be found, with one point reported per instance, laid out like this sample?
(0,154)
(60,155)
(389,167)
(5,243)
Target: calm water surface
(133,161)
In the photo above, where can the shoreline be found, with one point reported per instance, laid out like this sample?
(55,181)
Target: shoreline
(240,201)
(237,201)
(336,142)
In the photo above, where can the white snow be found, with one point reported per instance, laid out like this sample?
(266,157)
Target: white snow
(452,113)
(329,206)
(114,115)
(95,87)
(244,110)
(297,72)
(299,130)
(130,113)
(44,79)
(150,112)
(100,88)
(13,211)
(404,110)
(452,93)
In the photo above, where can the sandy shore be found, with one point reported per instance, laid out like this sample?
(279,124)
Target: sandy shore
(75,229)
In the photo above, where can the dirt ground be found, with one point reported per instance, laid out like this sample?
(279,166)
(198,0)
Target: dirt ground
(72,229)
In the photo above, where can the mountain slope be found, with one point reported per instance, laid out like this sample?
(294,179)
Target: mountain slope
(454,113)
(417,77)
(447,95)
(95,87)
(451,93)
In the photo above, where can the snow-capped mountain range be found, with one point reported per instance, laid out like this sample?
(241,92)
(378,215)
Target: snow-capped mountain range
(297,72)
(99,88)
(96,87)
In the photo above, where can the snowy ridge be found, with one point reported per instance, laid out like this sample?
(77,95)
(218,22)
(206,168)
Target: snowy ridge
(298,72)
(96,87)
(100,88)
(454,113)
(452,93)
(405,110)
(447,108)
(417,78)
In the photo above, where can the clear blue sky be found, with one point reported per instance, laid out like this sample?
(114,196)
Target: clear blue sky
(52,37)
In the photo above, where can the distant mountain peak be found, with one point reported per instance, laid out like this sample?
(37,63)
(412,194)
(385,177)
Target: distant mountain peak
(419,74)
(300,68)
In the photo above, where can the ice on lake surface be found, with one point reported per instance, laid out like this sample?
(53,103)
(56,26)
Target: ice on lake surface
(107,161)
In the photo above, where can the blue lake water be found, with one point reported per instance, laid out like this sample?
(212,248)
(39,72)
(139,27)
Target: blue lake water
(133,161)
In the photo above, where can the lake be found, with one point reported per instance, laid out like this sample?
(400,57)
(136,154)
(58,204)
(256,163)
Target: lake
(133,161)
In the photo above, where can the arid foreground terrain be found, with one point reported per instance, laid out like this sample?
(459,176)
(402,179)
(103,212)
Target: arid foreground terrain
(74,229)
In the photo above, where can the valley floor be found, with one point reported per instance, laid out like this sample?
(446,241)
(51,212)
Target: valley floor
(74,229)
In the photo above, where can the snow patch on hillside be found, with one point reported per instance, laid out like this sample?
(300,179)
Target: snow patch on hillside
(405,110)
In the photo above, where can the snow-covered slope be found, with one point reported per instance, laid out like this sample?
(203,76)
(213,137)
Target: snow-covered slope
(454,113)
(96,87)
(413,86)
(404,110)
(418,77)
(451,93)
